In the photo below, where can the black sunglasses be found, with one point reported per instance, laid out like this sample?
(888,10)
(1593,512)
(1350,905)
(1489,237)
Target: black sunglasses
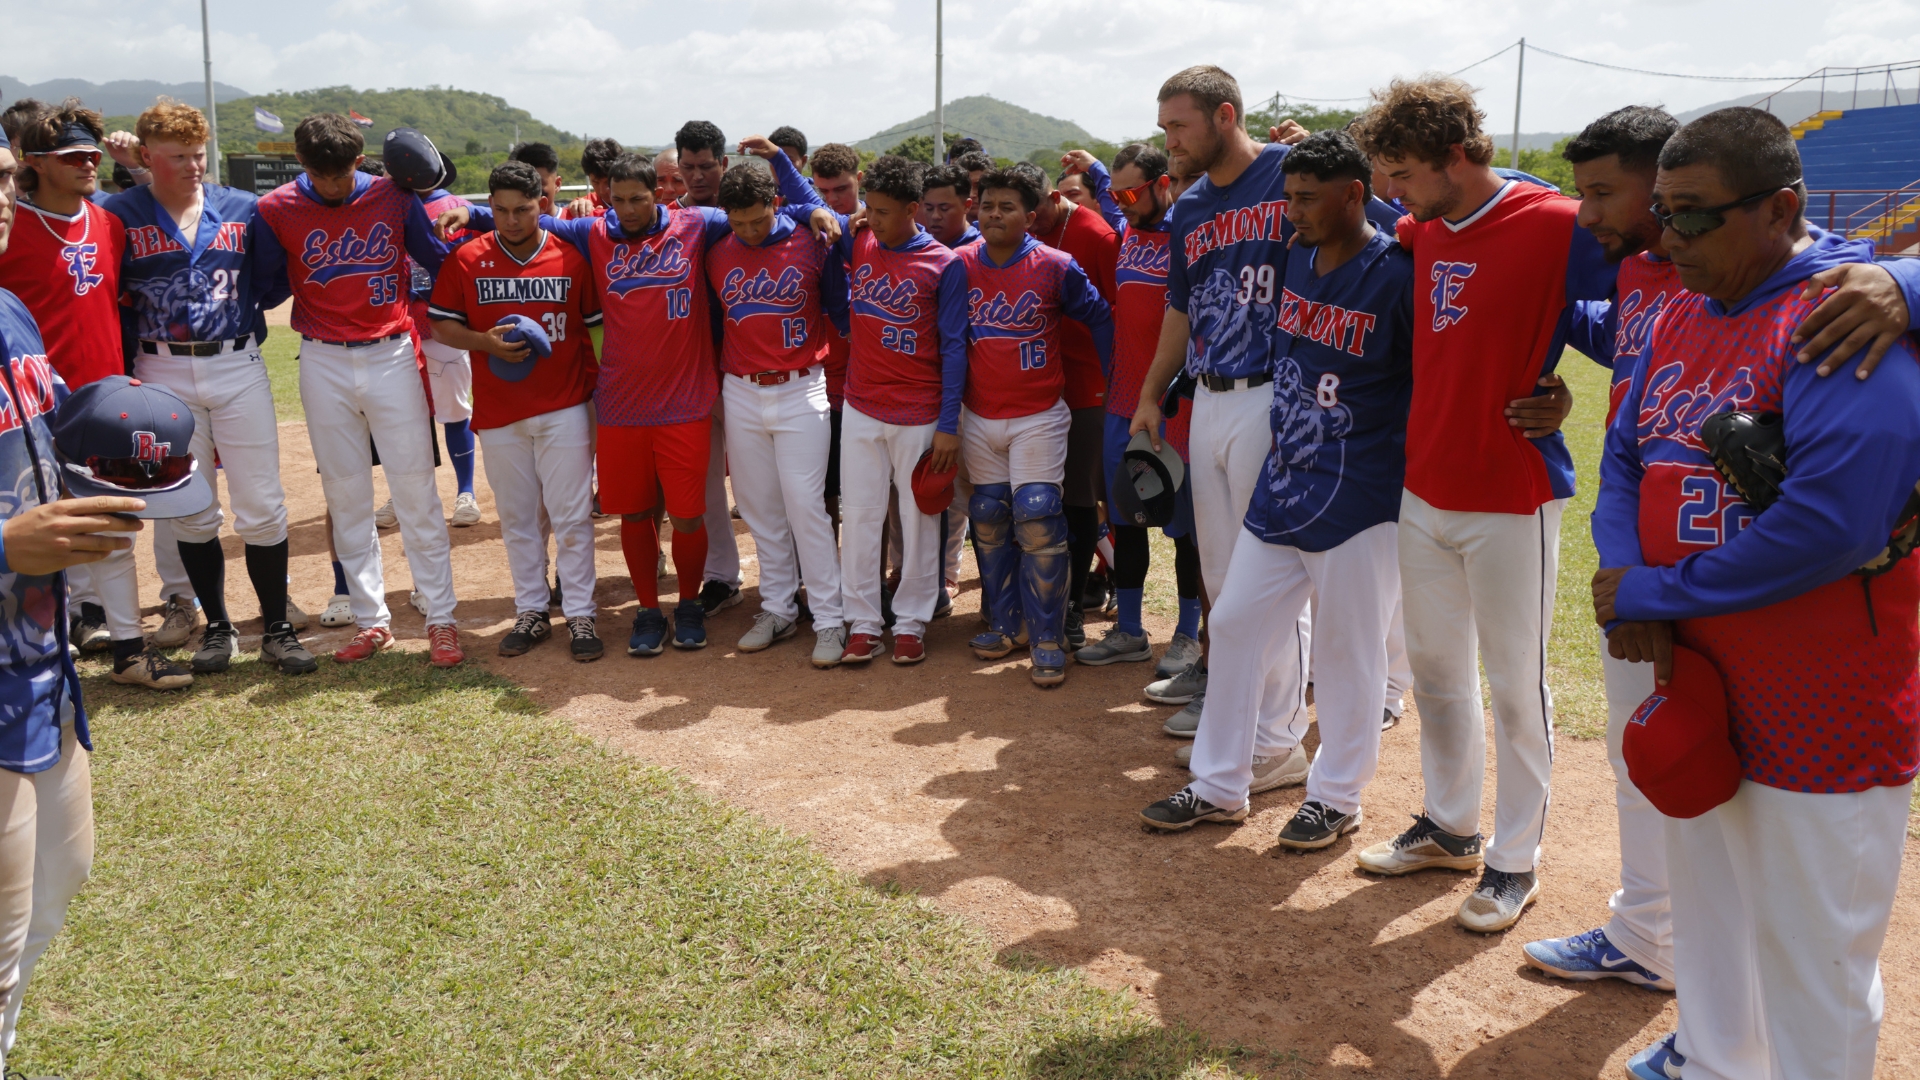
(1707,218)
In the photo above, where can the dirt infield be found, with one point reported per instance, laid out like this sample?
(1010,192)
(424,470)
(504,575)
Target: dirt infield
(1014,807)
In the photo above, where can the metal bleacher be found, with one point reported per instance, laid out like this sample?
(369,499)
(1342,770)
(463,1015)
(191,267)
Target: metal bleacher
(1863,172)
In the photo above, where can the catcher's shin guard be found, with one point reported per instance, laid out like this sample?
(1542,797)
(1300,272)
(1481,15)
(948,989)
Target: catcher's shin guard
(991,512)
(1040,522)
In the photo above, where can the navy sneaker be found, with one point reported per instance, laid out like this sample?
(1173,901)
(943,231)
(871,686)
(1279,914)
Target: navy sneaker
(689,625)
(1658,1062)
(1589,956)
(649,633)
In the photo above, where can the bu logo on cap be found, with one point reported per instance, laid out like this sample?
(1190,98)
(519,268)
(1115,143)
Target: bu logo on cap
(148,447)
(1645,712)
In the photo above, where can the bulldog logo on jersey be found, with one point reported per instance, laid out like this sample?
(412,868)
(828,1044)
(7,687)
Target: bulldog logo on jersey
(80,260)
(327,258)
(763,294)
(1307,462)
(647,266)
(878,296)
(999,317)
(1448,279)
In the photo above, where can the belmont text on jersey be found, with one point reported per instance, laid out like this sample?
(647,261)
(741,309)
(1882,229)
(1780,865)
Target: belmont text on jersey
(1328,324)
(34,378)
(147,241)
(522,290)
(1262,221)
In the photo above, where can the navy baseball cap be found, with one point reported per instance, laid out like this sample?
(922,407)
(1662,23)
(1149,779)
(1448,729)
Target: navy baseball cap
(538,348)
(412,161)
(120,436)
(1147,482)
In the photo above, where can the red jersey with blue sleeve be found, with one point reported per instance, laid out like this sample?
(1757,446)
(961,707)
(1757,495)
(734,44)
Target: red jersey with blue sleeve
(66,270)
(1492,306)
(346,264)
(1341,385)
(482,283)
(907,360)
(36,674)
(778,298)
(1094,245)
(1228,256)
(1015,363)
(203,291)
(1139,296)
(1821,669)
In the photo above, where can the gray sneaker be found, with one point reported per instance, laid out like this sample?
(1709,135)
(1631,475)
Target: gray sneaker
(829,645)
(1499,900)
(767,628)
(281,646)
(1181,688)
(178,618)
(1116,646)
(1182,653)
(1285,770)
(217,646)
(1183,724)
(1424,846)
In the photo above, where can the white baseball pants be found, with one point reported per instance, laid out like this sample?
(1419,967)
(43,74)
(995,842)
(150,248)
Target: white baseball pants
(166,560)
(1230,439)
(1017,451)
(450,380)
(1642,922)
(233,418)
(1258,653)
(1780,905)
(1399,672)
(723,548)
(874,455)
(541,472)
(779,437)
(1482,583)
(350,395)
(46,852)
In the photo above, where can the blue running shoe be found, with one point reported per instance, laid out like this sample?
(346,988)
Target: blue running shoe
(649,633)
(690,625)
(1657,1062)
(1589,956)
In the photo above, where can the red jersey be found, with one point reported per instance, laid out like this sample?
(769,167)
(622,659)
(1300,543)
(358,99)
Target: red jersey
(585,206)
(1491,294)
(771,299)
(67,272)
(1015,361)
(347,264)
(657,365)
(1139,307)
(1087,237)
(894,362)
(482,283)
(1646,286)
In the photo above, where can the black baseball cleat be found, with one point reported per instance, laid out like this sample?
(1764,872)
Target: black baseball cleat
(1316,825)
(1185,809)
(529,629)
(717,596)
(585,643)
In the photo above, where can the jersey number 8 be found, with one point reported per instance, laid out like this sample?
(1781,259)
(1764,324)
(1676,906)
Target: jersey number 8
(1328,392)
(1256,285)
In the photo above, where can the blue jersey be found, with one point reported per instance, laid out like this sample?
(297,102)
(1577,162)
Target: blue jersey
(1383,214)
(36,675)
(203,291)
(1228,256)
(1342,382)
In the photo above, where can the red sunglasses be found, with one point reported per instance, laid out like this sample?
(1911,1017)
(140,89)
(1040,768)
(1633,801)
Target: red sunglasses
(74,158)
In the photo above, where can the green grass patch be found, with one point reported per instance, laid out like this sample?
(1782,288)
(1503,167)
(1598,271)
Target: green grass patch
(281,351)
(1573,652)
(391,871)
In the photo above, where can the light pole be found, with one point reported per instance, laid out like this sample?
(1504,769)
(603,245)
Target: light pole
(213,121)
(939,98)
(1519,84)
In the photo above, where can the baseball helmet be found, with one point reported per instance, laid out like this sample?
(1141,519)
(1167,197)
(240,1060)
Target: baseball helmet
(539,347)
(932,491)
(1678,749)
(412,161)
(120,436)
(1145,485)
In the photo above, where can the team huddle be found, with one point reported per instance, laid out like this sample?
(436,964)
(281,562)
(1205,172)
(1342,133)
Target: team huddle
(1323,365)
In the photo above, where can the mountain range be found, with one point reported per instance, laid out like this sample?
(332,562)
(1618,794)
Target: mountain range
(121,96)
(1006,130)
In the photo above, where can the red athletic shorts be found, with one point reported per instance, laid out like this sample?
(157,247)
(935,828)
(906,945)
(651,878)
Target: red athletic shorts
(640,464)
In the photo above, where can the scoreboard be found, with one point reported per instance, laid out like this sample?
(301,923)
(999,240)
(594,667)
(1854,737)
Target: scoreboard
(261,173)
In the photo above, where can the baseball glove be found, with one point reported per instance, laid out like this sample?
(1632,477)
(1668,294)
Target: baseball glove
(1750,451)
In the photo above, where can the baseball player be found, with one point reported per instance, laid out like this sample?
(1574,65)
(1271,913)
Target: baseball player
(595,157)
(530,410)
(1085,235)
(358,379)
(1015,423)
(64,264)
(655,394)
(945,201)
(1781,894)
(1226,261)
(836,173)
(1322,520)
(906,371)
(778,287)
(545,161)
(187,275)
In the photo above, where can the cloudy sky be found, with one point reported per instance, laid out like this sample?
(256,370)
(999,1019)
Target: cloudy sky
(843,69)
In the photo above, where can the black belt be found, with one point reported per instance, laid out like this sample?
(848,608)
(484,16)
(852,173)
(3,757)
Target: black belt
(371,341)
(1220,384)
(194,348)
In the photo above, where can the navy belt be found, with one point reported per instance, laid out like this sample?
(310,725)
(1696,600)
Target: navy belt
(1220,384)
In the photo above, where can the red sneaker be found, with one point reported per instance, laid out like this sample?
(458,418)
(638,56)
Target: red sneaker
(364,644)
(907,649)
(443,645)
(862,648)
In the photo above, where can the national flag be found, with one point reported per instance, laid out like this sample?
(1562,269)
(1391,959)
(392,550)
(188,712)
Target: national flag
(363,121)
(266,121)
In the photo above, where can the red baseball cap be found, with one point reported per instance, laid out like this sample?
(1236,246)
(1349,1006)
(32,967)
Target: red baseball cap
(1678,750)
(932,491)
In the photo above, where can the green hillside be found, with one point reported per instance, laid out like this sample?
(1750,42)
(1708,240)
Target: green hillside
(1007,130)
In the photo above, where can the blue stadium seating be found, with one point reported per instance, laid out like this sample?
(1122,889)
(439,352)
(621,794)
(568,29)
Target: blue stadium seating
(1861,150)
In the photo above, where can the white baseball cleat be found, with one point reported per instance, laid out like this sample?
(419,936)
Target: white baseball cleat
(466,510)
(384,517)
